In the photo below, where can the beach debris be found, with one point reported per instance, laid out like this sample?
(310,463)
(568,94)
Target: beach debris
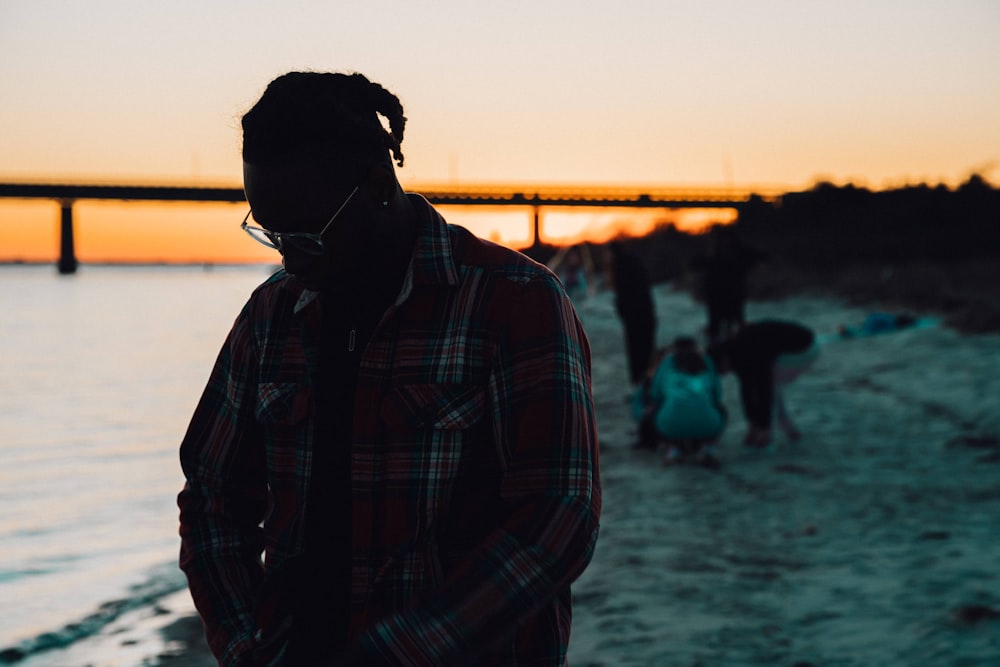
(978,441)
(989,444)
(935,535)
(971,614)
(808,530)
(796,469)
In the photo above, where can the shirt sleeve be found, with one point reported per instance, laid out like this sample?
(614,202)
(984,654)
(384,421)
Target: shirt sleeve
(223,500)
(545,431)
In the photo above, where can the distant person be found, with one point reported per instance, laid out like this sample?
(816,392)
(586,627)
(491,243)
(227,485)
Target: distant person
(680,408)
(401,418)
(766,356)
(725,270)
(634,304)
(575,267)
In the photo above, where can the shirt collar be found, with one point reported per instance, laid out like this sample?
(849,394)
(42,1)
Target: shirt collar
(432,262)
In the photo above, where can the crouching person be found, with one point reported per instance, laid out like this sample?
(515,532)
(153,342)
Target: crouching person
(766,357)
(682,413)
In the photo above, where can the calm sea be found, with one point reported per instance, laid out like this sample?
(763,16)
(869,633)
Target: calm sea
(99,375)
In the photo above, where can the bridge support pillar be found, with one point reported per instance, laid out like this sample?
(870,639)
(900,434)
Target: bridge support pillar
(536,226)
(67,251)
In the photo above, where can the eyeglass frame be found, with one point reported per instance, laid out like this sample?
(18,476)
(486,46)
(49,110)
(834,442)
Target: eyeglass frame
(275,240)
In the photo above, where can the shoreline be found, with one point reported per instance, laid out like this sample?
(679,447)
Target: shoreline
(186,644)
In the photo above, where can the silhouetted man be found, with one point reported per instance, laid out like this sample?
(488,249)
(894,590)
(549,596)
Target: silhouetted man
(400,420)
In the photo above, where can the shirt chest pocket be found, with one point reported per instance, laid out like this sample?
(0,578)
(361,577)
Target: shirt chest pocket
(282,411)
(442,407)
(432,431)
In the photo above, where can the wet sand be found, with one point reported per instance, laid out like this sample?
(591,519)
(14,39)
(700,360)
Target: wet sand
(872,541)
(186,646)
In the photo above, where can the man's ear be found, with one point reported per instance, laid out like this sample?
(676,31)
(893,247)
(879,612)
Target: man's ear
(381,183)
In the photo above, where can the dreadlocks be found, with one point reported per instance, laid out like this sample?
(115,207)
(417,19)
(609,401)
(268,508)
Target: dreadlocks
(323,114)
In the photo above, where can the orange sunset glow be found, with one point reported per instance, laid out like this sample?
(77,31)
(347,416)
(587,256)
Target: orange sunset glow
(722,94)
(148,232)
(208,233)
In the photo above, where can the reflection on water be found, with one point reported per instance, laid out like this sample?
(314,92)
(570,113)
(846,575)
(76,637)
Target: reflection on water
(101,372)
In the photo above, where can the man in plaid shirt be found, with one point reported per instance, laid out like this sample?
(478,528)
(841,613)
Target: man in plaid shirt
(400,420)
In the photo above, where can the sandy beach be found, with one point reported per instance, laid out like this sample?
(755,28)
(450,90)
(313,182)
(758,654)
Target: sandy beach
(872,541)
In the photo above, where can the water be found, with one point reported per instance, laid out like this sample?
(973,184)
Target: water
(99,375)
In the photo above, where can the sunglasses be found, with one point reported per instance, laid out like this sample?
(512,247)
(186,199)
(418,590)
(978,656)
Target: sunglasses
(303,242)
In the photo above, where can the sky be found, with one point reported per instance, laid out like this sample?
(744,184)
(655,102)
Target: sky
(659,93)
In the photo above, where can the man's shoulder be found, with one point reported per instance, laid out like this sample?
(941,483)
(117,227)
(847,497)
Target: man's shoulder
(276,289)
(473,254)
(272,286)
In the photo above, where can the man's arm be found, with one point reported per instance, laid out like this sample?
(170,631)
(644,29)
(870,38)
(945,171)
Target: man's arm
(223,501)
(546,439)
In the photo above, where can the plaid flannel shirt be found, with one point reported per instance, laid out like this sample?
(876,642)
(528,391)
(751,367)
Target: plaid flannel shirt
(474,462)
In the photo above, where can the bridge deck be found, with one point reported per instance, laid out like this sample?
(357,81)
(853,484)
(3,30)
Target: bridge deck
(535,197)
(458,195)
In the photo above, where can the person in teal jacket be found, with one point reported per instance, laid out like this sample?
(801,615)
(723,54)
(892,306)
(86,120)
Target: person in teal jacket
(681,406)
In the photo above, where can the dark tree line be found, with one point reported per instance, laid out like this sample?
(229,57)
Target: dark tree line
(922,247)
(829,227)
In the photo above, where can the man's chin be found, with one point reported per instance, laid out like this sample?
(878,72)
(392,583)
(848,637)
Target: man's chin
(309,282)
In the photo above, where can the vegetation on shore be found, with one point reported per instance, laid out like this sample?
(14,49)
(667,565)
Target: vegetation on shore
(925,249)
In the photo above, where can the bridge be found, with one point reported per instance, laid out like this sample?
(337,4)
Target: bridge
(534,196)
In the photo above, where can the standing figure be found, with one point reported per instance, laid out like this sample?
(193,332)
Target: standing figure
(400,419)
(575,268)
(634,303)
(766,356)
(725,269)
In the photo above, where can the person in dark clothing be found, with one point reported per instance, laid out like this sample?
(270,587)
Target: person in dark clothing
(725,269)
(765,356)
(395,459)
(634,303)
